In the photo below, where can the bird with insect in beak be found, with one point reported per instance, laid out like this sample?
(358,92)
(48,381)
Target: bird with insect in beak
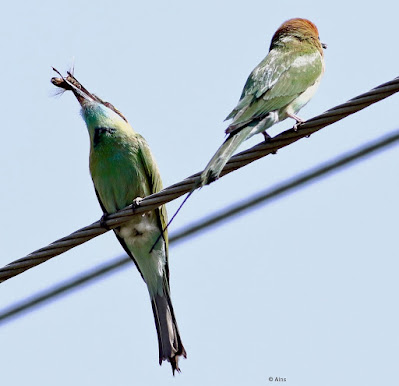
(123,169)
(276,89)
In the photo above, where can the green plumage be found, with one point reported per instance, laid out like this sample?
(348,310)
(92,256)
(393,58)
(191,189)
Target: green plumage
(122,169)
(116,161)
(276,89)
(276,82)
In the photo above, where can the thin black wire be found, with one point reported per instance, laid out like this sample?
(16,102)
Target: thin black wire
(69,286)
(279,191)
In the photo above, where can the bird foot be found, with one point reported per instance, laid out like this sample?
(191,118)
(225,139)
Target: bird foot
(298,120)
(136,203)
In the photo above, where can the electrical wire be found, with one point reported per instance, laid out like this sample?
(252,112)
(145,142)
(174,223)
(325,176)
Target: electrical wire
(170,193)
(276,192)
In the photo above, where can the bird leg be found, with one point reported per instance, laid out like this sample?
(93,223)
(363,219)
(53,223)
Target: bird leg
(298,120)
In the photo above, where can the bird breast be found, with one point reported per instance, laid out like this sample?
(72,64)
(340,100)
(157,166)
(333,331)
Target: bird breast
(303,98)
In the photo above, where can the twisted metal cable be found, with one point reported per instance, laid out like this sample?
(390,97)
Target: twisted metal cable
(174,191)
(117,264)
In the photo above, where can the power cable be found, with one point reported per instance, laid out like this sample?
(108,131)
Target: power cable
(172,192)
(278,191)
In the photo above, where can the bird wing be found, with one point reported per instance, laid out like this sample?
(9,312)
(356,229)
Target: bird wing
(120,239)
(154,180)
(152,176)
(99,200)
(275,83)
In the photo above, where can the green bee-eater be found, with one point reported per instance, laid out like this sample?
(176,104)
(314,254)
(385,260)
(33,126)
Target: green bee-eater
(276,89)
(123,168)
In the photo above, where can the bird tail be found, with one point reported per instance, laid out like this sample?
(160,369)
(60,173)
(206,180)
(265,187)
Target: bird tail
(223,154)
(169,342)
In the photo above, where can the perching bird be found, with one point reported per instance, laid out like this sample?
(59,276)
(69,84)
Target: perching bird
(276,89)
(123,168)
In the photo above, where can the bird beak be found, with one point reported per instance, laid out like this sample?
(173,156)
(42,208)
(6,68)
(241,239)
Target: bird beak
(70,83)
(83,96)
(324,45)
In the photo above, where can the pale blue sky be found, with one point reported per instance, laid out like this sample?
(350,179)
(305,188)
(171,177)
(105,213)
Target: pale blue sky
(305,288)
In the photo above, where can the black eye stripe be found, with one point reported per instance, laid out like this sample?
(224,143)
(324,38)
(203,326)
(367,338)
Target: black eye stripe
(102,130)
(99,132)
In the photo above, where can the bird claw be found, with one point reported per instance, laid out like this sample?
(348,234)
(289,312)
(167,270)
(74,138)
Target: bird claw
(298,123)
(298,120)
(136,203)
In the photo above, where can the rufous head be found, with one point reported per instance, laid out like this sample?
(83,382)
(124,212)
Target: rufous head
(301,29)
